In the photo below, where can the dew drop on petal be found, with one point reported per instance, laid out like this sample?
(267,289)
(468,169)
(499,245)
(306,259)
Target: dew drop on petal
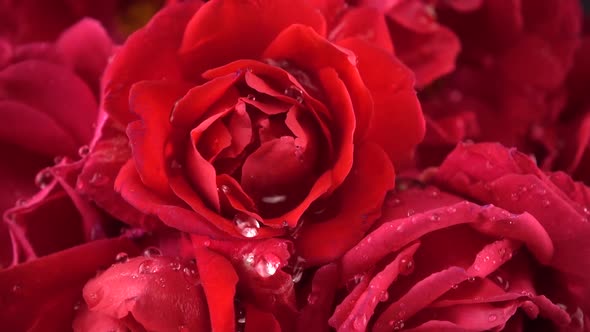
(152,252)
(295,93)
(147,267)
(492,318)
(384,296)
(83,151)
(246,225)
(406,266)
(224,189)
(43,179)
(267,265)
(175,266)
(411,212)
(121,257)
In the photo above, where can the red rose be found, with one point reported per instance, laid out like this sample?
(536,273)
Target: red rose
(510,79)
(511,250)
(259,125)
(36,125)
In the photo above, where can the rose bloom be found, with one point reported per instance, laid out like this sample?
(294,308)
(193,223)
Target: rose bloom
(510,83)
(36,125)
(254,128)
(492,243)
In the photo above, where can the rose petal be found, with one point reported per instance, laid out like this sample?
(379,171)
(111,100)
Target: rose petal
(152,101)
(356,208)
(135,62)
(219,281)
(397,124)
(205,47)
(160,293)
(26,295)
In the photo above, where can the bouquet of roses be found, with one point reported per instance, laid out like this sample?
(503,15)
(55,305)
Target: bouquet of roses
(294,165)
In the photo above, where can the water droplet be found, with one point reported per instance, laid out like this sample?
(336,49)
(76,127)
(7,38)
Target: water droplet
(249,259)
(174,164)
(503,283)
(267,265)
(77,306)
(451,209)
(492,317)
(410,213)
(406,266)
(83,151)
(515,196)
(546,203)
(224,189)
(434,217)
(295,93)
(384,296)
(251,97)
(455,286)
(471,279)
(43,178)
(20,202)
(242,320)
(274,199)
(486,258)
(121,257)
(152,252)
(360,322)
(147,267)
(190,276)
(175,266)
(246,225)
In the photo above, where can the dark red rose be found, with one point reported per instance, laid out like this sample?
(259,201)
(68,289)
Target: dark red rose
(256,127)
(37,126)
(509,85)
(493,244)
